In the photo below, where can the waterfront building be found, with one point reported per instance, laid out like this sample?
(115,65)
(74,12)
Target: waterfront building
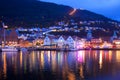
(61,42)
(38,42)
(70,42)
(106,45)
(11,38)
(47,41)
(96,42)
(80,43)
(54,41)
(25,43)
(116,43)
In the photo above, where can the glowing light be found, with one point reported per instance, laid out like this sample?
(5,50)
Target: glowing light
(48,56)
(110,56)
(5,26)
(106,45)
(80,44)
(118,56)
(42,59)
(80,56)
(4,65)
(54,65)
(71,76)
(21,59)
(100,60)
(81,72)
(116,42)
(71,13)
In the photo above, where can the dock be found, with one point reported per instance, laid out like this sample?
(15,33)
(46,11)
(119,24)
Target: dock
(64,49)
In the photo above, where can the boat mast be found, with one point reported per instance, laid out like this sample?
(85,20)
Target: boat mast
(4,28)
(4,37)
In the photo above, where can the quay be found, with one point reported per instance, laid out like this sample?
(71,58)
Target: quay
(65,49)
(62,49)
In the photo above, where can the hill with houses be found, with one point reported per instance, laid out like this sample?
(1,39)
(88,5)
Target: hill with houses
(33,13)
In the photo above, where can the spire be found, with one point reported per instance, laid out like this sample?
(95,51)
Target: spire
(89,35)
(114,34)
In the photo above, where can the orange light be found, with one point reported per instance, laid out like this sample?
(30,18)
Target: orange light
(71,13)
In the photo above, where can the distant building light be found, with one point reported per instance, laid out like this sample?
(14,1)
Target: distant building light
(5,26)
(82,9)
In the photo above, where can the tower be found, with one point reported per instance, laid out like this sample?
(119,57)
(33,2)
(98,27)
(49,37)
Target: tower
(89,35)
(114,35)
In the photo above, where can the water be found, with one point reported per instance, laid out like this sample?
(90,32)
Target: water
(53,65)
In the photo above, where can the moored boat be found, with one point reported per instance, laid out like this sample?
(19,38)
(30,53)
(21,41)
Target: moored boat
(9,49)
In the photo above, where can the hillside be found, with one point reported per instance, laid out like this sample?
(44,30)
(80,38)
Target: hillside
(36,13)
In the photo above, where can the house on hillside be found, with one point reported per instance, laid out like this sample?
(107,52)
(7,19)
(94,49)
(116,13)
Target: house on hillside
(22,37)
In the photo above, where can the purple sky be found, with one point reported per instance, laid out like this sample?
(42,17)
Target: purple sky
(108,8)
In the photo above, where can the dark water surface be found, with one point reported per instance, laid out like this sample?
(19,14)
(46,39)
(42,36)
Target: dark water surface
(53,65)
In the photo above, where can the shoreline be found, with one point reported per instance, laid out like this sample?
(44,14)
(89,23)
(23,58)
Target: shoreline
(64,49)
(61,49)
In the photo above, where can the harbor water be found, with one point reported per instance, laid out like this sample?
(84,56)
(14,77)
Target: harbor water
(60,65)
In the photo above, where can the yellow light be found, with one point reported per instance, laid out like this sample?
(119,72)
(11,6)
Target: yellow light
(118,56)
(4,65)
(100,60)
(110,56)
(21,58)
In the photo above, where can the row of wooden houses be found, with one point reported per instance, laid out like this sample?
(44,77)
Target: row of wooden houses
(60,42)
(14,39)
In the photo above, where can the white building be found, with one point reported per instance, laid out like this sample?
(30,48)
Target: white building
(80,43)
(61,42)
(70,42)
(47,41)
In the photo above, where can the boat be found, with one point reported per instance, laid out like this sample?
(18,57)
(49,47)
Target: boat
(9,49)
(69,49)
(24,49)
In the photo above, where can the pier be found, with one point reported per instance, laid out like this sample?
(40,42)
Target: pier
(66,49)
(62,49)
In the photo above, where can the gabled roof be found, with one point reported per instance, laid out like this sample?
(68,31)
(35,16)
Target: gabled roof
(47,38)
(61,39)
(70,39)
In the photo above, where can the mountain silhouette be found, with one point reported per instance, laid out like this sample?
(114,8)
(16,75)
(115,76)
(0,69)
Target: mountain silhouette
(28,13)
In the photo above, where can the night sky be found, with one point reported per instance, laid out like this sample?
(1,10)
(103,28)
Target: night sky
(108,8)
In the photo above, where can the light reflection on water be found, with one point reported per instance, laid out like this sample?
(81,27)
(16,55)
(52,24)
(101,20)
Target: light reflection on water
(44,65)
